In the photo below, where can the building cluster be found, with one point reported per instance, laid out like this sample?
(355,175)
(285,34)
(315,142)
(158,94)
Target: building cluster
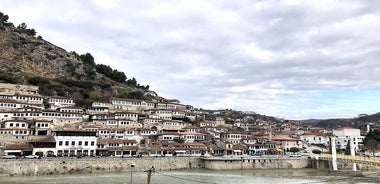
(31,124)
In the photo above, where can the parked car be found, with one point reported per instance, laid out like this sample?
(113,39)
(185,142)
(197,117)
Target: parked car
(295,155)
(8,157)
(257,154)
(31,156)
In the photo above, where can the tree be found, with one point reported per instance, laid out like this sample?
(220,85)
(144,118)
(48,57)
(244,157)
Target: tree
(186,119)
(118,76)
(132,82)
(87,59)
(372,140)
(372,145)
(3,18)
(38,81)
(136,95)
(374,134)
(23,29)
(316,151)
(294,149)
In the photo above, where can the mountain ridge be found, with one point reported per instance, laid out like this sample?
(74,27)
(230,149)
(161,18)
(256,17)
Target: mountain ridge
(27,59)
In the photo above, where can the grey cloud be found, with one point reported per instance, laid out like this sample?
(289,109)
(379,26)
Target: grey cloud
(264,56)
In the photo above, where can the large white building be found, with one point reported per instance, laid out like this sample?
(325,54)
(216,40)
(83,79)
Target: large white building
(75,143)
(344,134)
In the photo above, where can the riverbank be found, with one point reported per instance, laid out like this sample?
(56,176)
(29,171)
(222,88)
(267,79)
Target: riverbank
(53,166)
(50,166)
(25,167)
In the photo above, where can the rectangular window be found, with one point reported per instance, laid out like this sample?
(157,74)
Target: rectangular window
(66,143)
(80,143)
(60,143)
(86,143)
(73,143)
(92,143)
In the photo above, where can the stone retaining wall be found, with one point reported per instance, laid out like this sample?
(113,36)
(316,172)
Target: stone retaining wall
(94,165)
(347,165)
(255,163)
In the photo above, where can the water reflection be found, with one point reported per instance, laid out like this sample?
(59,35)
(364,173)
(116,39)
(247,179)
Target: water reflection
(303,176)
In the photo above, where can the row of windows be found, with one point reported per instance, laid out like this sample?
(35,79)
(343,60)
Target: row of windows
(126,115)
(125,102)
(75,152)
(5,132)
(28,98)
(229,136)
(79,143)
(46,125)
(7,105)
(17,125)
(25,114)
(170,124)
(71,110)
(25,132)
(118,132)
(167,138)
(62,100)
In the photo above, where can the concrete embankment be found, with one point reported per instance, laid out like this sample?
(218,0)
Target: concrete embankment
(255,163)
(94,165)
(50,166)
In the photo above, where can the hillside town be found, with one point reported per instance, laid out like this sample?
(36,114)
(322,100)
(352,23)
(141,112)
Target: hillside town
(44,126)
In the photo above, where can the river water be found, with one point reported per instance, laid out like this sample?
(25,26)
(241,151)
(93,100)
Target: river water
(302,176)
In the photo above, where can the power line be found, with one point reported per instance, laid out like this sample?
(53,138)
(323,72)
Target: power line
(185,179)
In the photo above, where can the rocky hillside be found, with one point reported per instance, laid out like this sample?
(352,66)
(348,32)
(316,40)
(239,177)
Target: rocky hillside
(27,59)
(24,54)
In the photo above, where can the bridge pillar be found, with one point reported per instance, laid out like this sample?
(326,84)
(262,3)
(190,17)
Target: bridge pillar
(333,153)
(352,152)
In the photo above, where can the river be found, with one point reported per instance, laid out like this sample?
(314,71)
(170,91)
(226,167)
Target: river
(301,176)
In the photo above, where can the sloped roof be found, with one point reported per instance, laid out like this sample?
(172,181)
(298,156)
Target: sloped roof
(18,147)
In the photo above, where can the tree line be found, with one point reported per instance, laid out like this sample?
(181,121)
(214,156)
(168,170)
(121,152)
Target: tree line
(109,72)
(21,28)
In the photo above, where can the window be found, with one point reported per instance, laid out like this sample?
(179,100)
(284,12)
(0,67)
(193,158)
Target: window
(92,143)
(86,143)
(60,143)
(73,143)
(80,143)
(66,143)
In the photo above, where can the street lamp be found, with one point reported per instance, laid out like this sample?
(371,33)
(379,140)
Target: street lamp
(132,166)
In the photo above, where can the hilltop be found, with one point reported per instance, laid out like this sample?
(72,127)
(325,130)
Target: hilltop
(29,59)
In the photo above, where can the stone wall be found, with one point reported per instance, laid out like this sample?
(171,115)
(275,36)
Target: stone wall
(347,165)
(255,163)
(94,165)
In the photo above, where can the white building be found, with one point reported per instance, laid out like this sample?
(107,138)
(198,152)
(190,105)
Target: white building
(344,134)
(75,143)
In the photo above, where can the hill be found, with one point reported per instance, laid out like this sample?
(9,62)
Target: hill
(360,122)
(27,59)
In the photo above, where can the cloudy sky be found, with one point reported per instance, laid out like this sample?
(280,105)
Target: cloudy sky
(290,59)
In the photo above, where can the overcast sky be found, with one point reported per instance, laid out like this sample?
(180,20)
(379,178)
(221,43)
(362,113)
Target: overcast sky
(290,59)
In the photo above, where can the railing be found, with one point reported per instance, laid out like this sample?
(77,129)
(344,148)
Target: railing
(348,157)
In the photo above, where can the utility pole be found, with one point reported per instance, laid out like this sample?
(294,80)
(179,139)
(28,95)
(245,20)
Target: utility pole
(132,166)
(150,172)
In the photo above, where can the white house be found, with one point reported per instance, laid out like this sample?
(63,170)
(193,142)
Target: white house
(344,134)
(75,142)
(57,102)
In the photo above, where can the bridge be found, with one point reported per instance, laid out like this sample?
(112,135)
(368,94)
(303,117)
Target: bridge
(346,161)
